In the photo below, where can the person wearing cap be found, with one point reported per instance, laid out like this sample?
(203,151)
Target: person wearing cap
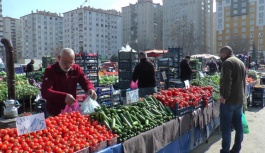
(185,69)
(232,94)
(60,80)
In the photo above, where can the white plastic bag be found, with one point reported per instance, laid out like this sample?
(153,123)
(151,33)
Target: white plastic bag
(88,106)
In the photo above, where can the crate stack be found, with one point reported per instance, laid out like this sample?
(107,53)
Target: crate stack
(127,61)
(169,66)
(258,97)
(196,67)
(89,64)
(104,96)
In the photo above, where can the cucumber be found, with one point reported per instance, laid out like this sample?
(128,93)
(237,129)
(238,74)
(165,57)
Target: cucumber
(128,116)
(113,122)
(146,122)
(141,118)
(126,121)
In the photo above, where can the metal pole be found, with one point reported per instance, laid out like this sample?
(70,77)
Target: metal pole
(10,68)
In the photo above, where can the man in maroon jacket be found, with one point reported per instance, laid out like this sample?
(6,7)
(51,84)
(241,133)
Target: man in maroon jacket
(60,80)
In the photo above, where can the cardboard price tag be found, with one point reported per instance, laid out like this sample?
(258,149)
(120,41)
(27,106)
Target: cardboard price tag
(132,96)
(32,123)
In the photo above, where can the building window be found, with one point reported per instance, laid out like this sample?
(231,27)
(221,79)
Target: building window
(219,20)
(261,8)
(261,1)
(219,26)
(227,13)
(261,15)
(260,27)
(227,31)
(235,24)
(260,21)
(252,16)
(244,16)
(251,22)
(219,8)
(219,43)
(244,4)
(235,12)
(235,30)
(235,6)
(227,1)
(243,23)
(227,37)
(227,25)
(227,19)
(260,34)
(219,14)
(243,35)
(252,9)
(251,35)
(251,28)
(219,37)
(243,30)
(243,11)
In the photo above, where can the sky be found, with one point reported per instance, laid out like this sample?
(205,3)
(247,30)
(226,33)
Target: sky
(18,8)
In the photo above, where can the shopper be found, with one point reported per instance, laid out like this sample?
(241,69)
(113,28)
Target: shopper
(212,67)
(60,83)
(232,90)
(185,69)
(144,72)
(30,67)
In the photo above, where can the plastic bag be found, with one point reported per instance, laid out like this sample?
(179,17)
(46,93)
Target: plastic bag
(245,124)
(73,107)
(134,85)
(88,106)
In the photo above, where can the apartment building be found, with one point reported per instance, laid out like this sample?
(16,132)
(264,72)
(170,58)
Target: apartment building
(143,25)
(12,32)
(93,30)
(188,24)
(42,34)
(240,24)
(2,51)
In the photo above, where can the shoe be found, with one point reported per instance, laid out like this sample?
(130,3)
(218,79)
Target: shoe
(232,151)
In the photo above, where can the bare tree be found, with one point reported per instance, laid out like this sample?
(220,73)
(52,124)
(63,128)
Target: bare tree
(183,35)
(239,44)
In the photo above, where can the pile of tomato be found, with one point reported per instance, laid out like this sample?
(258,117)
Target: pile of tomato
(184,97)
(64,133)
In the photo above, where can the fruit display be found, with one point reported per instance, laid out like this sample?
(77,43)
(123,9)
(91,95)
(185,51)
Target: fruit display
(184,97)
(108,80)
(66,133)
(129,121)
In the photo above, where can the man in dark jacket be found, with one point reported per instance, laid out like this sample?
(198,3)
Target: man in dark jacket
(144,72)
(30,67)
(185,69)
(232,91)
(212,67)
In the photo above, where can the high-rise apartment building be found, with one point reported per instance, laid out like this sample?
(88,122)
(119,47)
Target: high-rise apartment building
(240,24)
(2,52)
(188,24)
(13,33)
(143,25)
(93,30)
(42,34)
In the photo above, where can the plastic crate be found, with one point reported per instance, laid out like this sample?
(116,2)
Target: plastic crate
(98,147)
(127,65)
(124,84)
(85,150)
(125,74)
(103,91)
(127,55)
(257,94)
(112,142)
(258,102)
(259,89)
(201,104)
(182,111)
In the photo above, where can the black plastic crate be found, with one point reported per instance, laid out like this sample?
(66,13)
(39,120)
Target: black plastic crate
(259,89)
(165,62)
(104,99)
(257,94)
(201,104)
(258,102)
(124,84)
(125,74)
(182,111)
(91,57)
(127,65)
(127,55)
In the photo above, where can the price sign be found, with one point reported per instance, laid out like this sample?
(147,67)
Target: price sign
(164,76)
(32,123)
(132,96)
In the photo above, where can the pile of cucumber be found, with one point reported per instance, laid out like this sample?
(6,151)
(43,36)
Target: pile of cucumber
(129,121)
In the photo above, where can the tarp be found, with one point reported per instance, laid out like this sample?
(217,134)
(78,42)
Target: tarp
(205,56)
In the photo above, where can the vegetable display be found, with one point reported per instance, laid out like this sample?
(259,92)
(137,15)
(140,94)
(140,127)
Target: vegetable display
(65,133)
(129,121)
(184,97)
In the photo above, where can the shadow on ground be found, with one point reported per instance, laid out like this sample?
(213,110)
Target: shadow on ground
(214,137)
(254,109)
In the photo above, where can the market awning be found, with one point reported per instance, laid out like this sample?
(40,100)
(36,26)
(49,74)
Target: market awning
(155,53)
(205,56)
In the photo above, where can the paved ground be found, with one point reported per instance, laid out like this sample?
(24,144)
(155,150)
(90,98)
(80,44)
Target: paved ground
(254,141)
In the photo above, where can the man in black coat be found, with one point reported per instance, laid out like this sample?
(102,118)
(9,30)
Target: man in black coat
(30,67)
(185,69)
